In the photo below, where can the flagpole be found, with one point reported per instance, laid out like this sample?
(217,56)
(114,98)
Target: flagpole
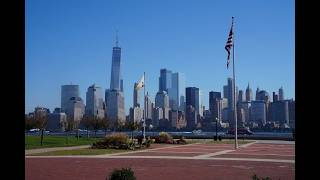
(234,94)
(144,106)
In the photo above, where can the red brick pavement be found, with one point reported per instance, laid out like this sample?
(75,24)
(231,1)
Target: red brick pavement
(154,169)
(255,156)
(158,169)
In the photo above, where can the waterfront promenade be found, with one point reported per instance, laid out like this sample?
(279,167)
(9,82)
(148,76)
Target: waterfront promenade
(275,159)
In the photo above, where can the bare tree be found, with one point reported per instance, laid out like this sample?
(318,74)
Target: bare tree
(70,124)
(95,124)
(132,126)
(120,126)
(29,122)
(41,121)
(105,124)
(86,123)
(114,125)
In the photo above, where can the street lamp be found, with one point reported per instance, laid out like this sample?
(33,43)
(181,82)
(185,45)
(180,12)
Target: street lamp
(216,127)
(144,130)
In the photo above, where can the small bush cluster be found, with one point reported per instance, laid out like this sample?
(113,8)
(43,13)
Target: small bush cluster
(116,141)
(122,174)
(181,141)
(164,137)
(148,142)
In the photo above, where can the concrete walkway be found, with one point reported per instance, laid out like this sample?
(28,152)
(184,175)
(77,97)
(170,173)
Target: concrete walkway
(275,142)
(42,150)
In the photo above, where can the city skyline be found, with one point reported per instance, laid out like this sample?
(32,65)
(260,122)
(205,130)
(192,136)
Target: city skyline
(88,65)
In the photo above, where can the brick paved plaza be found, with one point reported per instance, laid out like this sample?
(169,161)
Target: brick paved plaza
(190,162)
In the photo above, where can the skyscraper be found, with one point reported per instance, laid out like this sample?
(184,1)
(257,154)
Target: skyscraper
(173,92)
(157,115)
(55,121)
(231,98)
(225,91)
(115,106)
(281,94)
(192,106)
(116,83)
(292,116)
(222,107)
(263,96)
(67,92)
(275,97)
(257,92)
(136,114)
(94,102)
(248,93)
(280,112)
(245,106)
(75,109)
(240,97)
(258,112)
(149,107)
(114,96)
(162,99)
(191,117)
(193,98)
(136,102)
(214,99)
(165,80)
(176,92)
(230,94)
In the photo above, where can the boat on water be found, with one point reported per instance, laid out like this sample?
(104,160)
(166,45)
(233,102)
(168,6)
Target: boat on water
(197,131)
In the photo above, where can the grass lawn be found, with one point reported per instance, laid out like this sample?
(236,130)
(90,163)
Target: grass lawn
(85,151)
(33,142)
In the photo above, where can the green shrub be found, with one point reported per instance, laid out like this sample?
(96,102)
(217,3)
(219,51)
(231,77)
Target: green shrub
(164,137)
(181,140)
(123,174)
(147,143)
(114,140)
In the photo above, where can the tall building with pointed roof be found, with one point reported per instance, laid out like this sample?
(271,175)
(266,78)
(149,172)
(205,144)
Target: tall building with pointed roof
(114,96)
(116,83)
(248,93)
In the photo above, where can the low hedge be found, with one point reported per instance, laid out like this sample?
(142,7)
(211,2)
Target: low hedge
(116,141)
(164,137)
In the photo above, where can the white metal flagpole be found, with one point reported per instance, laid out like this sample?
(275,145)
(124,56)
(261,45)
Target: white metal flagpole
(234,91)
(144,106)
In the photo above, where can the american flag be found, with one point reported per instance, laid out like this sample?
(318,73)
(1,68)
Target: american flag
(229,43)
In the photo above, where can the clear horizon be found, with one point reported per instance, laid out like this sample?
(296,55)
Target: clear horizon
(71,41)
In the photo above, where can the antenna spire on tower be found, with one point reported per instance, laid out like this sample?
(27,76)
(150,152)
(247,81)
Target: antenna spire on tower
(117,41)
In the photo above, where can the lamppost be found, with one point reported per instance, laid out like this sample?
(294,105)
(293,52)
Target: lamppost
(216,127)
(144,130)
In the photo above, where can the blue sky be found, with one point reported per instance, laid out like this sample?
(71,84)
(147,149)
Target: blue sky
(70,41)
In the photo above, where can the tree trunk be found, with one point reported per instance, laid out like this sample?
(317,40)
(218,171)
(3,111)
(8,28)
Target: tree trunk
(78,134)
(67,137)
(105,132)
(88,133)
(95,133)
(41,136)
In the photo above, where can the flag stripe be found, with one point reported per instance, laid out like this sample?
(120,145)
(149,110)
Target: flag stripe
(229,44)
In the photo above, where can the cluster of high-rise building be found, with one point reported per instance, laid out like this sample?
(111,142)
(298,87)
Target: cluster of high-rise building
(174,106)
